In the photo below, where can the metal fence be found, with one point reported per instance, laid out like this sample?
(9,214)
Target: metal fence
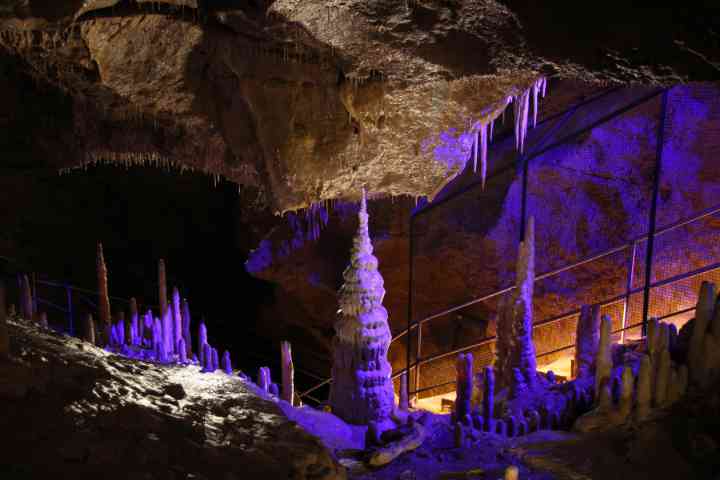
(652,267)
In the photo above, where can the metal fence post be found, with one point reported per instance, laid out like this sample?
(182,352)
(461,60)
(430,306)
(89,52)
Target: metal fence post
(628,289)
(653,211)
(408,343)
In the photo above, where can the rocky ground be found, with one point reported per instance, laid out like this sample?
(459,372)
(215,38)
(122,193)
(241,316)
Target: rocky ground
(74,410)
(80,411)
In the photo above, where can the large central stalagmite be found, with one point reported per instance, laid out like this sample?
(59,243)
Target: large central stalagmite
(361,388)
(515,355)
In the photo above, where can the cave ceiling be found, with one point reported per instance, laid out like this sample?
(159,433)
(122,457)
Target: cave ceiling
(303,101)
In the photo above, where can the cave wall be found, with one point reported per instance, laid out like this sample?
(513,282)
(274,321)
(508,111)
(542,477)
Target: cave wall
(588,195)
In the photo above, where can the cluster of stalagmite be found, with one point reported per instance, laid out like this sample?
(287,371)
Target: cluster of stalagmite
(650,379)
(515,361)
(361,390)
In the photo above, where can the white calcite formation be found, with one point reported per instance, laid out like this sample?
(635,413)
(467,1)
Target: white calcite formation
(516,364)
(362,390)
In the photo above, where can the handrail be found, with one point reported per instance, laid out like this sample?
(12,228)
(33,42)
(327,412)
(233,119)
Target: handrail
(680,223)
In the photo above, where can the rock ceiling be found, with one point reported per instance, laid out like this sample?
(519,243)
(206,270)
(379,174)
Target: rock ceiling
(303,101)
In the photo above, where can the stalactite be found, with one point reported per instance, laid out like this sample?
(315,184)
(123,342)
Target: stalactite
(103,295)
(162,287)
(288,372)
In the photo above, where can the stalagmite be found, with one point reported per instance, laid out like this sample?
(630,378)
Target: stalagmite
(512,473)
(288,372)
(464,385)
(603,362)
(182,351)
(652,336)
(515,347)
(274,390)
(207,363)
(644,390)
(459,435)
(587,340)
(215,360)
(103,295)
(4,334)
(626,393)
(176,317)
(662,379)
(120,328)
(703,315)
(226,363)
(187,336)
(26,300)
(403,402)
(488,395)
(135,336)
(361,388)
(162,287)
(167,331)
(202,341)
(264,380)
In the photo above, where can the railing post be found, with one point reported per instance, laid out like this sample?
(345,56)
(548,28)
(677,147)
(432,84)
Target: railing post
(408,343)
(653,211)
(71,326)
(628,289)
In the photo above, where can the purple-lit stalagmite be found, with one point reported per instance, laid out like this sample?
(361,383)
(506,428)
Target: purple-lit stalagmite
(187,336)
(202,341)
(361,389)
(464,386)
(176,318)
(103,295)
(226,363)
(515,355)
(135,329)
(26,301)
(162,287)
(288,372)
(586,340)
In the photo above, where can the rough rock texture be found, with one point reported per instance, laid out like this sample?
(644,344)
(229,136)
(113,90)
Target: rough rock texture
(83,413)
(361,389)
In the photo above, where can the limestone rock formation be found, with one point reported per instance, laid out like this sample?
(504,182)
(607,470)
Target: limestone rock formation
(515,348)
(186,333)
(103,296)
(604,362)
(464,387)
(361,389)
(288,372)
(162,287)
(587,339)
